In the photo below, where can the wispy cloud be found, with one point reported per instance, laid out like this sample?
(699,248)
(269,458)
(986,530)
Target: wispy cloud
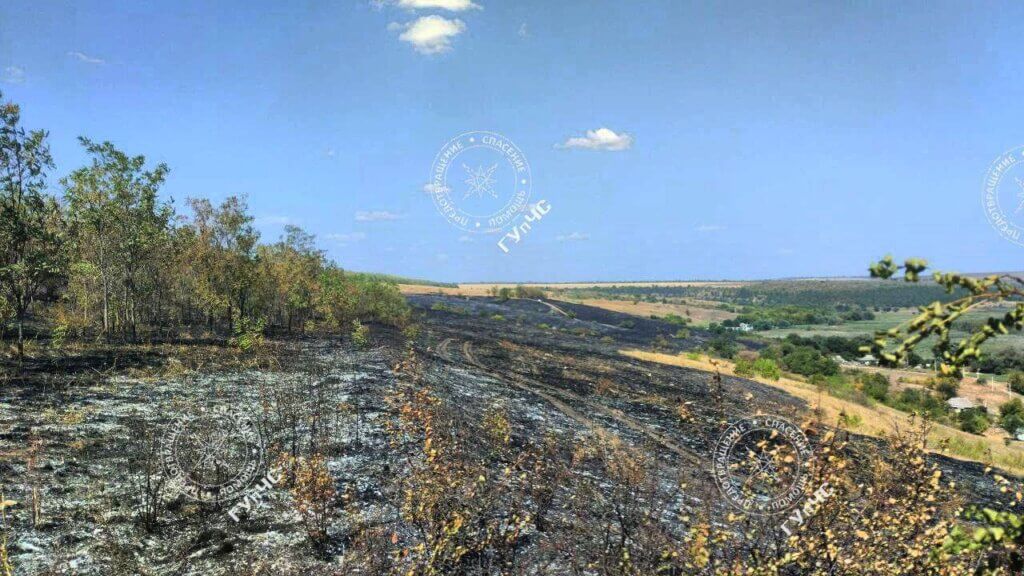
(82,57)
(600,139)
(451,5)
(709,228)
(347,238)
(273,220)
(523,30)
(466,239)
(376,216)
(13,75)
(429,34)
(330,153)
(574,237)
(434,188)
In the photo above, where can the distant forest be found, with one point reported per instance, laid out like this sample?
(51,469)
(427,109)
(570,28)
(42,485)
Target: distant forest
(870,294)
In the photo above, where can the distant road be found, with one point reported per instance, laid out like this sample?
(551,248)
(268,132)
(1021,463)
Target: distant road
(553,307)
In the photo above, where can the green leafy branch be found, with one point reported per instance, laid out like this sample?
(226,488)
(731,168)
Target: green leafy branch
(936,319)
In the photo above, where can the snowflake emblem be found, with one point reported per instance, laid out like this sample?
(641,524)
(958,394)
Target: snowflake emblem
(481,180)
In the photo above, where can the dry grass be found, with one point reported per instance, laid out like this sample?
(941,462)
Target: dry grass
(648,309)
(874,420)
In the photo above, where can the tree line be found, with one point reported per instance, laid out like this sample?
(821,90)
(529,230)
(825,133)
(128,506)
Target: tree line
(108,257)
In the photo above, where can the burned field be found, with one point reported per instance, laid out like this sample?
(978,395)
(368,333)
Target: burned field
(504,437)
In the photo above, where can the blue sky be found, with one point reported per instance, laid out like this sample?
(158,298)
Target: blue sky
(748,140)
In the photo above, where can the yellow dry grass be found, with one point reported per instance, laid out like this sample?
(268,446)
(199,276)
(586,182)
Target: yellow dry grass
(874,420)
(647,309)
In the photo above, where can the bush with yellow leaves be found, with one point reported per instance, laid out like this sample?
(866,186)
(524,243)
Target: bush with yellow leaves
(314,496)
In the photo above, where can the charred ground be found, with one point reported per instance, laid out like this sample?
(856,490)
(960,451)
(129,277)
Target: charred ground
(79,443)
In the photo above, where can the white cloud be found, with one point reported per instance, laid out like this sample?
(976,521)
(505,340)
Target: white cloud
(523,31)
(273,220)
(13,75)
(451,5)
(600,139)
(430,34)
(434,188)
(574,237)
(82,57)
(330,152)
(346,238)
(376,216)
(709,228)
(466,239)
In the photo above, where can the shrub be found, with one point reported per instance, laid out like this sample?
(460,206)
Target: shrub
(58,336)
(1011,416)
(767,368)
(744,367)
(248,334)
(1016,381)
(360,334)
(875,385)
(808,361)
(850,420)
(723,346)
(528,292)
(676,319)
(313,495)
(947,387)
(973,420)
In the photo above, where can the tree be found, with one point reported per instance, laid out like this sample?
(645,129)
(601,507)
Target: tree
(289,269)
(947,388)
(1011,416)
(225,251)
(30,220)
(808,361)
(121,228)
(938,318)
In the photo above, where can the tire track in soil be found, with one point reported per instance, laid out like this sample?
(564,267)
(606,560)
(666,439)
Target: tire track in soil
(442,350)
(547,393)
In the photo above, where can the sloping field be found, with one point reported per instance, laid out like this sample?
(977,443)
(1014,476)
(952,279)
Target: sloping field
(876,420)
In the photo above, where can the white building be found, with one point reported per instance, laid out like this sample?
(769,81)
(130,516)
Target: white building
(960,403)
(868,360)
